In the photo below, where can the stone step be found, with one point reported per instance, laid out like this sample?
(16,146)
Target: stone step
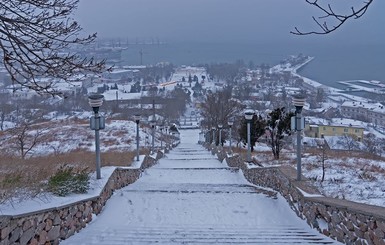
(197,168)
(206,235)
(200,158)
(197,188)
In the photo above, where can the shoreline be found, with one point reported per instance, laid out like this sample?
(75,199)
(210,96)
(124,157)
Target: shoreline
(337,95)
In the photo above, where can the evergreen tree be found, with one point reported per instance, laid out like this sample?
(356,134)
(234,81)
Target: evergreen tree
(190,79)
(135,88)
(278,125)
(257,129)
(195,78)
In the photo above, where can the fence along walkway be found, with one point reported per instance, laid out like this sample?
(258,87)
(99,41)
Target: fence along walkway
(192,198)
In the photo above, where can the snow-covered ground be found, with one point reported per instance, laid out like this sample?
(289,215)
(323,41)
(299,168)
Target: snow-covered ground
(349,177)
(192,198)
(66,135)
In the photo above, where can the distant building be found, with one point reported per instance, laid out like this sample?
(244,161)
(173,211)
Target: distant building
(369,112)
(118,74)
(322,129)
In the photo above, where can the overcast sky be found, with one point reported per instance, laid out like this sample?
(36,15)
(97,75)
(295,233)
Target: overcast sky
(220,20)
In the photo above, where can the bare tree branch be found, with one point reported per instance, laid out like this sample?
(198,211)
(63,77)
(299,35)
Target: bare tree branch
(36,38)
(330,16)
(25,139)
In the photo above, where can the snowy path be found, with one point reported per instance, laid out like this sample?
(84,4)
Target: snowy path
(192,198)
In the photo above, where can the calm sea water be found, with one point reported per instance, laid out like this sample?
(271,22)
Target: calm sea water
(333,62)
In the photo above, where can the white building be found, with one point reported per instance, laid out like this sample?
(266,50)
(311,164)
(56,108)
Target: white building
(370,112)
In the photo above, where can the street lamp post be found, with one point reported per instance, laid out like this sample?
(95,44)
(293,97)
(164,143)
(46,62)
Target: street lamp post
(299,102)
(161,136)
(167,136)
(96,123)
(137,120)
(220,126)
(230,123)
(213,129)
(249,116)
(152,123)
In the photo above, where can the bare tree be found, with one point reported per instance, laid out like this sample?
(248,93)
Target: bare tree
(372,145)
(25,139)
(330,20)
(218,108)
(348,142)
(35,41)
(323,146)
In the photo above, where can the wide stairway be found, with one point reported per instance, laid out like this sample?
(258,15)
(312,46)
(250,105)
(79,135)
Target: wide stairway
(192,198)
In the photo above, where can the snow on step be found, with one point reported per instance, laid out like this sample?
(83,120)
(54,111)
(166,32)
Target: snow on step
(189,197)
(204,235)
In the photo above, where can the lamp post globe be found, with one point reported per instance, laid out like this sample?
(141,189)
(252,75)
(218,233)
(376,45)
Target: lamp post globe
(249,114)
(95,101)
(298,102)
(137,118)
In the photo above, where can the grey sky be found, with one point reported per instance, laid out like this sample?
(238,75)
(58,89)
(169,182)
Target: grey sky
(219,20)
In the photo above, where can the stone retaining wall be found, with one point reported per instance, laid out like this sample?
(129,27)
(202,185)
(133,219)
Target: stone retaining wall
(52,225)
(342,220)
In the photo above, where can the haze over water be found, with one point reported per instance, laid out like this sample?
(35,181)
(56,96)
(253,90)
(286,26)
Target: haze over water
(201,31)
(332,62)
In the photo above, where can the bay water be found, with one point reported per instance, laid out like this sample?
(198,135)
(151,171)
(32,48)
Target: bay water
(333,61)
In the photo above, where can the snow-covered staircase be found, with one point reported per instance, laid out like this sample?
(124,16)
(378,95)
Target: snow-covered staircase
(205,235)
(192,198)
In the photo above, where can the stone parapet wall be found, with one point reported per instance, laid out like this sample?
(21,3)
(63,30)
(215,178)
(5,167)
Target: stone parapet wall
(345,221)
(52,225)
(150,161)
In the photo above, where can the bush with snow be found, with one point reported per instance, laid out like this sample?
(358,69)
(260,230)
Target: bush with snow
(68,180)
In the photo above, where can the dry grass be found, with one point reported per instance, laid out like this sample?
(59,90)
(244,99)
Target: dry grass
(30,175)
(345,154)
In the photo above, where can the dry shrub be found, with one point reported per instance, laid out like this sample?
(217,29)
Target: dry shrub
(31,175)
(79,121)
(110,142)
(239,151)
(285,156)
(118,133)
(311,166)
(366,175)
(117,158)
(375,169)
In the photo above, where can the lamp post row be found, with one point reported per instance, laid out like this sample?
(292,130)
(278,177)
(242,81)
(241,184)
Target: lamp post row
(97,123)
